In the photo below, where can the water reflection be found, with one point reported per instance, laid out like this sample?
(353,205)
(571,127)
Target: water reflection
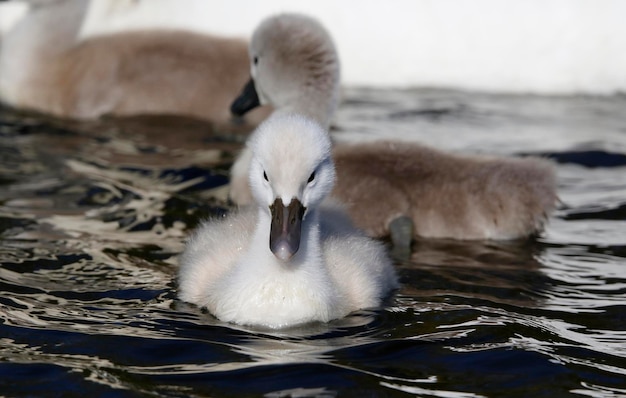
(501,272)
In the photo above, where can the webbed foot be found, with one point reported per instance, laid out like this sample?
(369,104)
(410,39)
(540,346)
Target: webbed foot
(401,230)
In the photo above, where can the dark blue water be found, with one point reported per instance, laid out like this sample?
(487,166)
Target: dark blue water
(93,215)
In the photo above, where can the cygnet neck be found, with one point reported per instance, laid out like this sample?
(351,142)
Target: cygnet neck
(321,109)
(317,96)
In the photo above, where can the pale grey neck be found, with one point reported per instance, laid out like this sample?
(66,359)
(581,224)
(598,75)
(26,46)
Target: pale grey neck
(315,102)
(315,110)
(48,28)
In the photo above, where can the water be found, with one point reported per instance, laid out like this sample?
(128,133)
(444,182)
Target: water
(93,215)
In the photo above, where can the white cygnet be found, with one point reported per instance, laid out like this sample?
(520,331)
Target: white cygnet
(290,258)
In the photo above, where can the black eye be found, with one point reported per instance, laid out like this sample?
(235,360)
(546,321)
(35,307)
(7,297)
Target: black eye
(255,60)
(312,177)
(265,176)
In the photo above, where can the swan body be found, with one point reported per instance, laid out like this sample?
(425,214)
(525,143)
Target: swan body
(386,185)
(446,195)
(289,258)
(46,67)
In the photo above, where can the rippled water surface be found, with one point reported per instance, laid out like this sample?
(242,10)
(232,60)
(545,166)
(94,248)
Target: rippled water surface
(92,217)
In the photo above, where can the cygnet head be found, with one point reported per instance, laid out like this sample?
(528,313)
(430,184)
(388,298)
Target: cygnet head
(291,172)
(293,62)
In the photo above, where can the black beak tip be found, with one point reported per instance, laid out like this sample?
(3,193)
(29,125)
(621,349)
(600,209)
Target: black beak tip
(247,100)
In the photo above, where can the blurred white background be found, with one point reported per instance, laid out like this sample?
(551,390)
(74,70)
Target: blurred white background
(530,46)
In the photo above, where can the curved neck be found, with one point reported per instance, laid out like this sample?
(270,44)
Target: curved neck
(317,95)
(48,28)
(315,104)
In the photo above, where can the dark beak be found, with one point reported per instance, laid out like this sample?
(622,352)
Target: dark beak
(286,228)
(247,100)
